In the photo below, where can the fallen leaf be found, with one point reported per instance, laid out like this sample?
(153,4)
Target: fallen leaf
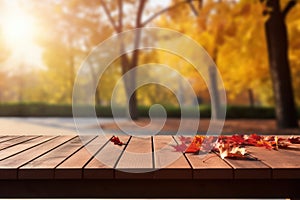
(116,141)
(294,140)
(180,147)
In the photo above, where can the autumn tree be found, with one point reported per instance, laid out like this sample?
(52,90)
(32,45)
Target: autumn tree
(115,14)
(4,54)
(127,63)
(4,50)
(204,22)
(79,26)
(242,69)
(277,43)
(70,30)
(293,23)
(211,22)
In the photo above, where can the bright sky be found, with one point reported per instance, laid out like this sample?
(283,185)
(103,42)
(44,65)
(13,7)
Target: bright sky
(18,29)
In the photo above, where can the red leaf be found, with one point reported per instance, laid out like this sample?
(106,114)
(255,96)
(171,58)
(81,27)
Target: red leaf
(208,143)
(180,147)
(232,146)
(294,140)
(193,148)
(185,140)
(240,156)
(116,141)
(195,145)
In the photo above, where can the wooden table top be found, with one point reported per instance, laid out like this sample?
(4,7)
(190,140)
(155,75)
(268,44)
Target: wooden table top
(73,157)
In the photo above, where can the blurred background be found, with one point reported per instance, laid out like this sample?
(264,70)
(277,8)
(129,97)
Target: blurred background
(254,43)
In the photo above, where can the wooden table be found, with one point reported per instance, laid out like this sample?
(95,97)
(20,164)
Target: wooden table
(61,166)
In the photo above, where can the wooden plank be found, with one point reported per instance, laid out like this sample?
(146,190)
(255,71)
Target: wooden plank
(237,169)
(23,146)
(72,167)
(16,141)
(102,165)
(208,166)
(285,163)
(168,163)
(8,137)
(136,160)
(249,169)
(43,167)
(150,189)
(9,166)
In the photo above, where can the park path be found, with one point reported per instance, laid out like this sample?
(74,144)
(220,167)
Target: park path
(46,126)
(65,126)
(240,126)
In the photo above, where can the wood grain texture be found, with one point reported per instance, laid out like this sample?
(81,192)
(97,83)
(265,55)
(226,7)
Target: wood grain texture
(72,168)
(169,164)
(249,169)
(9,166)
(43,167)
(66,157)
(103,163)
(208,165)
(23,146)
(136,160)
(285,163)
(8,137)
(15,141)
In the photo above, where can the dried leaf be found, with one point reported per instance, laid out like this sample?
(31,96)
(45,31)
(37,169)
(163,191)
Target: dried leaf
(185,140)
(232,146)
(180,147)
(195,146)
(294,140)
(116,141)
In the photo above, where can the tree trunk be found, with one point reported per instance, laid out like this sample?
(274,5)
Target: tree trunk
(95,81)
(277,43)
(130,83)
(133,104)
(251,98)
(97,96)
(71,65)
(216,104)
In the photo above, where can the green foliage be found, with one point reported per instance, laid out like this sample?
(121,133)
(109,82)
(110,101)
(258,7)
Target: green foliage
(59,110)
(250,112)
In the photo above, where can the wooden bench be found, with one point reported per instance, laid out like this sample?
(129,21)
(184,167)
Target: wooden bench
(64,166)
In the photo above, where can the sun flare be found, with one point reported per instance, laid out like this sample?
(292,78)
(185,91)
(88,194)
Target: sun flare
(18,28)
(18,31)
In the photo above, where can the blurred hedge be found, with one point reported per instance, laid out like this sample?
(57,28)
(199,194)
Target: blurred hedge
(51,110)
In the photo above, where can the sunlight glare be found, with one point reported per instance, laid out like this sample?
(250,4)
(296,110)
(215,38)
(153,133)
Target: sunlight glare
(18,29)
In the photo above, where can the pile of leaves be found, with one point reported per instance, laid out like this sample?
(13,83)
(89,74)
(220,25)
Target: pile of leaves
(232,146)
(227,146)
